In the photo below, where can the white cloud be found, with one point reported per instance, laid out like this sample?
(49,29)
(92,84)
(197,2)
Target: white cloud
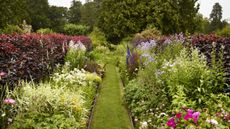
(65,3)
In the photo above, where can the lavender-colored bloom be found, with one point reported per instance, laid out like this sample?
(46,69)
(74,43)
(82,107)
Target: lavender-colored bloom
(180,37)
(147,45)
(167,41)
(146,58)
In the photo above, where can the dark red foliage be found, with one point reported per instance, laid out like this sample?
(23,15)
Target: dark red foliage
(33,56)
(207,43)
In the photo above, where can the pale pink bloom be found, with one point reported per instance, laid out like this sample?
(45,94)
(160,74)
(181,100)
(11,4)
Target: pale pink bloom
(9,101)
(2,74)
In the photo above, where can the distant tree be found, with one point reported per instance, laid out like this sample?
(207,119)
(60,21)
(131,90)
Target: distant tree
(176,15)
(38,11)
(58,18)
(203,24)
(13,12)
(118,19)
(89,14)
(74,14)
(215,17)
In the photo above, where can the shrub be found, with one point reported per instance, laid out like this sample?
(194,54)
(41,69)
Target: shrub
(10,29)
(146,35)
(73,29)
(76,58)
(224,32)
(33,56)
(30,56)
(45,31)
(98,37)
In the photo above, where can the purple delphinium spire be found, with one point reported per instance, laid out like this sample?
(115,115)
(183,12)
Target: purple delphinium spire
(128,55)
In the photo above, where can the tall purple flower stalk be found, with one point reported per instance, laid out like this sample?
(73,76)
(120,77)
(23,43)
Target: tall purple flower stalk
(128,55)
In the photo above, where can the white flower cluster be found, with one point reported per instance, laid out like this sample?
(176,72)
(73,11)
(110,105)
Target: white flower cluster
(77,46)
(144,125)
(212,121)
(75,77)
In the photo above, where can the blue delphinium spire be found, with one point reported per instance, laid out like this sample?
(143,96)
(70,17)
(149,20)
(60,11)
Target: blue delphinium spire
(128,55)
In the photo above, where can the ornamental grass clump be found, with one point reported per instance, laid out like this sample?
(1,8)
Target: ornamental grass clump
(40,106)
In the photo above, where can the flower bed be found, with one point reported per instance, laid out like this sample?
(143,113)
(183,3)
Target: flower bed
(173,75)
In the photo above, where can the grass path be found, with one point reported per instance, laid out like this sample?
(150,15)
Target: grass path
(110,112)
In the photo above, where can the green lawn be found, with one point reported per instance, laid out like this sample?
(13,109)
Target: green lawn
(110,112)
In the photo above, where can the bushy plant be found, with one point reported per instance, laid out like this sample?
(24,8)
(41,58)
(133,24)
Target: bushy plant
(76,55)
(224,32)
(30,56)
(45,31)
(10,29)
(33,56)
(44,107)
(73,29)
(98,37)
(64,101)
(146,35)
(181,79)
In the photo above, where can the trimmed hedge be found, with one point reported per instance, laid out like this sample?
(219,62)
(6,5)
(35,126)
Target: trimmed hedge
(33,56)
(207,43)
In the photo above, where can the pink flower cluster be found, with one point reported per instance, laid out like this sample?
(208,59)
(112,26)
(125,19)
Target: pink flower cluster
(172,122)
(9,101)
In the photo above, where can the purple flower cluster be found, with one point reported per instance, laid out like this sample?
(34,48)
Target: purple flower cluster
(146,59)
(144,46)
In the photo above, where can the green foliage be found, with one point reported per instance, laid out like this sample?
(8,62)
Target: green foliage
(73,29)
(76,58)
(176,16)
(118,19)
(98,37)
(224,32)
(203,24)
(45,31)
(63,101)
(89,14)
(178,77)
(216,16)
(74,13)
(58,18)
(52,108)
(38,11)
(13,12)
(10,29)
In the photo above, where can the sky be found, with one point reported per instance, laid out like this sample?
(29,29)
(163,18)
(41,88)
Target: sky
(205,6)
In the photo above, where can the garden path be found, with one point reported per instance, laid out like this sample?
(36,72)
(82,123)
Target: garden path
(110,112)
